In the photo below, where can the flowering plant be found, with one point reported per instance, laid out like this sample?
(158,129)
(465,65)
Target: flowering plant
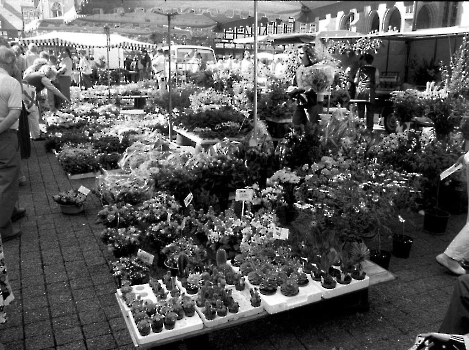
(70,197)
(128,188)
(317,78)
(117,215)
(122,241)
(158,208)
(185,245)
(78,159)
(131,269)
(407,104)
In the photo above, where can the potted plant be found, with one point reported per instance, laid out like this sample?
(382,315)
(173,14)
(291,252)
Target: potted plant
(157,323)
(144,327)
(170,320)
(189,306)
(401,243)
(255,297)
(407,105)
(71,201)
(122,241)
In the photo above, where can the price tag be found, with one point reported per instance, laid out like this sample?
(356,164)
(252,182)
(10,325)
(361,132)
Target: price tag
(244,194)
(281,233)
(284,233)
(146,257)
(84,190)
(188,199)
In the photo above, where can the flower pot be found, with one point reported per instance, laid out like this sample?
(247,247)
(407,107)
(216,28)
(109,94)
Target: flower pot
(381,258)
(401,245)
(435,221)
(71,209)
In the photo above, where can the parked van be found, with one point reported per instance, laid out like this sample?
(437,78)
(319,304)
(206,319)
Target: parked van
(182,52)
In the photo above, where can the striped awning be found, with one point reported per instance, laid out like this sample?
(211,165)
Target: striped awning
(86,40)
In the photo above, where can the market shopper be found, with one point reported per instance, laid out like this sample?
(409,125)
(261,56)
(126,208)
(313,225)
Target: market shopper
(351,72)
(42,79)
(306,110)
(10,110)
(458,249)
(366,81)
(85,71)
(64,74)
(31,54)
(158,65)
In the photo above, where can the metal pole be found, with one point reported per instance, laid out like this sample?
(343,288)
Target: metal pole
(107,30)
(170,107)
(255,71)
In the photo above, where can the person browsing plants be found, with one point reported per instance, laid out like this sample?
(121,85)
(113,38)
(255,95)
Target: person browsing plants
(303,91)
(366,81)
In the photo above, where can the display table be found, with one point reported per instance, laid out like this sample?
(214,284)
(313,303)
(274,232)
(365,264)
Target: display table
(197,140)
(359,291)
(139,100)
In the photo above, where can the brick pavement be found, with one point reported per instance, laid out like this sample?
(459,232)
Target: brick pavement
(59,270)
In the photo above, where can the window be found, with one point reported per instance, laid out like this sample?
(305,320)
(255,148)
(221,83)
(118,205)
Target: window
(347,20)
(409,9)
(395,21)
(312,28)
(56,10)
(302,27)
(374,28)
(423,18)
(450,13)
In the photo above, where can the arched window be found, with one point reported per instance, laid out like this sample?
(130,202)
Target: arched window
(394,22)
(346,20)
(374,22)
(56,10)
(423,18)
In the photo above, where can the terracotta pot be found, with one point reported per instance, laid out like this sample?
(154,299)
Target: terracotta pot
(71,209)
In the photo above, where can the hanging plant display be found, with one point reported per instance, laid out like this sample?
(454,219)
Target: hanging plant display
(360,46)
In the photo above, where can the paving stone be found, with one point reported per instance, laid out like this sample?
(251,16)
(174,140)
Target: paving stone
(117,324)
(102,342)
(80,283)
(11,334)
(68,335)
(39,301)
(40,342)
(15,345)
(95,329)
(38,328)
(79,345)
(35,315)
(67,321)
(122,337)
(84,294)
(92,316)
(62,309)
(87,305)
(56,277)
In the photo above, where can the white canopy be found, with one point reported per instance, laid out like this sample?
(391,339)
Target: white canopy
(85,40)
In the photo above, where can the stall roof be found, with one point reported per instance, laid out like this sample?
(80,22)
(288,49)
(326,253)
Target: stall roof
(414,35)
(298,38)
(85,40)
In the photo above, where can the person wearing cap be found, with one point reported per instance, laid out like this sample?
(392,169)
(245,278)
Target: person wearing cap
(306,97)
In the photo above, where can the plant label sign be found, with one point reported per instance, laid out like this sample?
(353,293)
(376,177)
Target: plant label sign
(244,194)
(188,199)
(146,257)
(84,190)
(280,233)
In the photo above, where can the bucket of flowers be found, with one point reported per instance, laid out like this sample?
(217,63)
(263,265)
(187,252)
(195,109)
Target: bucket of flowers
(70,202)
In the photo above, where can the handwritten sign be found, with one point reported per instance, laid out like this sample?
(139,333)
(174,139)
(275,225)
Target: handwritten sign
(146,257)
(84,190)
(244,194)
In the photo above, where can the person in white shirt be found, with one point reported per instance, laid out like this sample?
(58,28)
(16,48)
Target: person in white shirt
(158,65)
(86,71)
(32,54)
(247,64)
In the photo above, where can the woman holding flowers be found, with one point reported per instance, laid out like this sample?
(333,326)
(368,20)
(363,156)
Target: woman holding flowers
(303,90)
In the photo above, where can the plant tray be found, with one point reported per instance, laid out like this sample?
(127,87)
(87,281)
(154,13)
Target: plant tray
(187,324)
(82,176)
(278,302)
(341,289)
(241,297)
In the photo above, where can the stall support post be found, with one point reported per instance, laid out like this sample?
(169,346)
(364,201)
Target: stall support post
(107,31)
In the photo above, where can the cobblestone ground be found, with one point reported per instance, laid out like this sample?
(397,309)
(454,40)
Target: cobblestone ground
(59,270)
